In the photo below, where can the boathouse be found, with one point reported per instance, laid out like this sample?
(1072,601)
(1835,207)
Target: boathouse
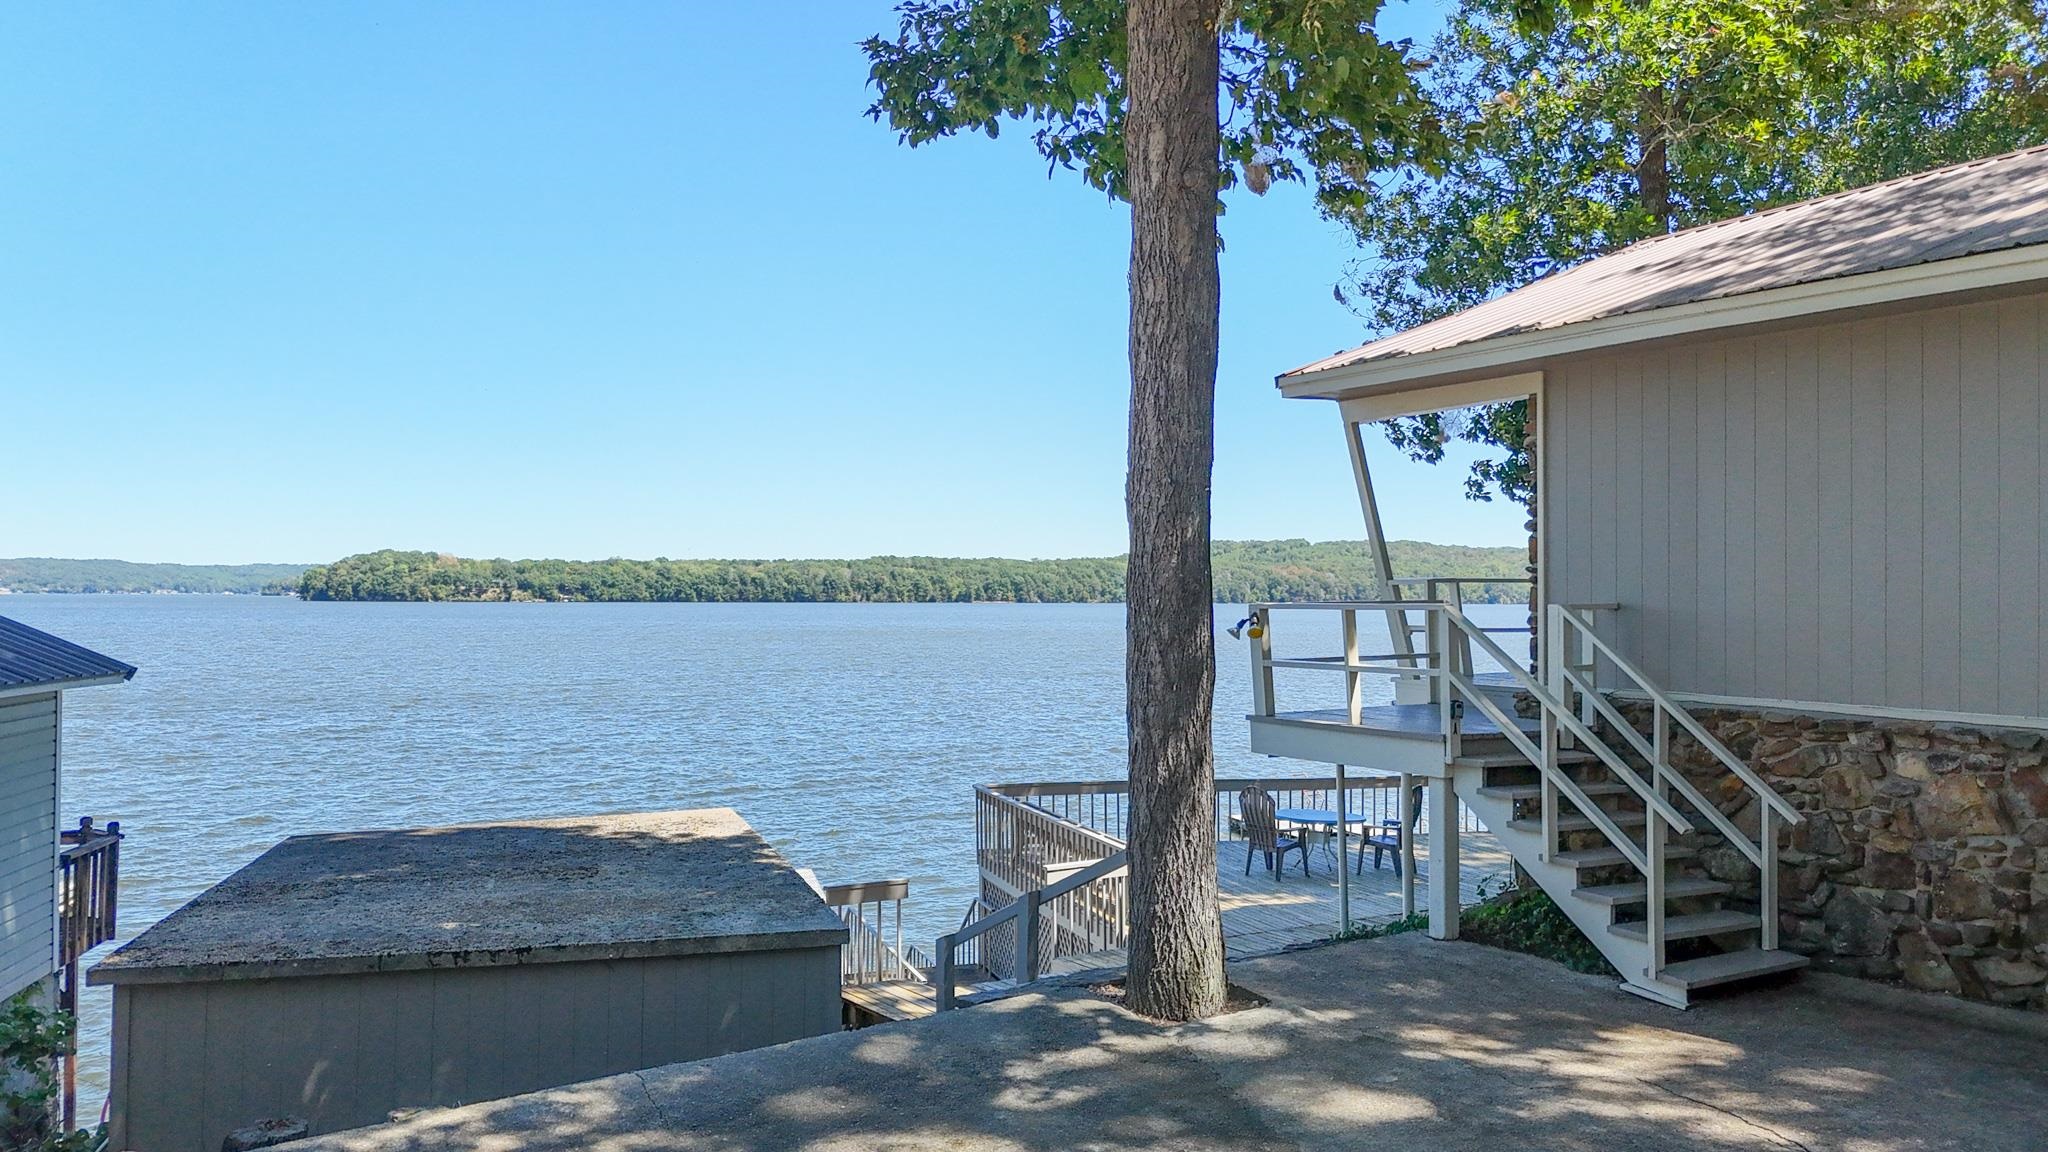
(1786,697)
(340,978)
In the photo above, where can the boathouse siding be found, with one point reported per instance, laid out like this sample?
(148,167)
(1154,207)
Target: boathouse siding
(203,1059)
(1848,513)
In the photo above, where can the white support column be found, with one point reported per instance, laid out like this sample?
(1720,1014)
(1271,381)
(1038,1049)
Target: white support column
(1443,859)
(1402,808)
(1343,870)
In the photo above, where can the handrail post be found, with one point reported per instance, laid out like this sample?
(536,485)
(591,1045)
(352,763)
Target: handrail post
(942,971)
(1352,699)
(1767,884)
(1027,937)
(1262,662)
(1654,841)
(1440,659)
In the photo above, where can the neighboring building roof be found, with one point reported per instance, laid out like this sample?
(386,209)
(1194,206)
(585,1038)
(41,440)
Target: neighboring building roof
(31,659)
(477,895)
(1962,210)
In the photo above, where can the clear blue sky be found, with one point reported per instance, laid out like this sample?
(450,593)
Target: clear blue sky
(283,282)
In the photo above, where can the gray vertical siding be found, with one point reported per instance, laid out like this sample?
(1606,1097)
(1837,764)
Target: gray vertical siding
(28,841)
(193,1062)
(1852,513)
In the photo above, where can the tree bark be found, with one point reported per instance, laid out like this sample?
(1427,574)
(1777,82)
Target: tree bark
(1172,141)
(1653,170)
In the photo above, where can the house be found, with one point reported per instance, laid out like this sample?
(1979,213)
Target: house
(340,978)
(1788,695)
(56,890)
(36,669)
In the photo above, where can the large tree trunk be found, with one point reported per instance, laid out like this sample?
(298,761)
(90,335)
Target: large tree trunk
(1653,168)
(1176,954)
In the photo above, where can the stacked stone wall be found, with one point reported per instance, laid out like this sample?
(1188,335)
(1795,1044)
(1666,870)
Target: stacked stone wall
(1921,856)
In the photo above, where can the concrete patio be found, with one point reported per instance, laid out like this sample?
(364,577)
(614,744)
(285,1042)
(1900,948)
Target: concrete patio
(1400,1043)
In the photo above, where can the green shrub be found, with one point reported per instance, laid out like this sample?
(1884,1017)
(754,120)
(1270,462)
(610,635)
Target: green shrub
(1530,921)
(31,1039)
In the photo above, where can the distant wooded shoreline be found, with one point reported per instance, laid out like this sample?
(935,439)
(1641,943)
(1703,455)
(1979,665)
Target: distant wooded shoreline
(1245,570)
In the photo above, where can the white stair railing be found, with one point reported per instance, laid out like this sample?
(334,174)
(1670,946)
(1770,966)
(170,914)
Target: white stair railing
(1568,626)
(1557,713)
(1023,913)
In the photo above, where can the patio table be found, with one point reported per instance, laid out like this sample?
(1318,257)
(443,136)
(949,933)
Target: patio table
(1322,822)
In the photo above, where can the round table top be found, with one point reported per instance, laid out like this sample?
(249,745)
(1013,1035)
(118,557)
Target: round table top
(1315,816)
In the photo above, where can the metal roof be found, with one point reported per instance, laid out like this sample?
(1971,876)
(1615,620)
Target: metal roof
(1962,210)
(30,658)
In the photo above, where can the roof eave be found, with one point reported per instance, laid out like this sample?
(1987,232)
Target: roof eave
(2005,267)
(48,687)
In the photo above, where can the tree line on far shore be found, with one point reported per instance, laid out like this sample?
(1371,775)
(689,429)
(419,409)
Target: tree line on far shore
(1245,570)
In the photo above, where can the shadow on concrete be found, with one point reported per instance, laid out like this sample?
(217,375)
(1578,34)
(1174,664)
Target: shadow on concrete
(1393,1043)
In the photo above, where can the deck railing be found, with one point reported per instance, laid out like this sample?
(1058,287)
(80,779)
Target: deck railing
(1021,849)
(872,911)
(1103,806)
(88,885)
(88,890)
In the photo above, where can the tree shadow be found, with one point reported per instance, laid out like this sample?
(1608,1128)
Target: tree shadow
(1393,1043)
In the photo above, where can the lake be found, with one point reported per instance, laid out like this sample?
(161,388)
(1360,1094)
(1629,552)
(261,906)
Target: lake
(849,735)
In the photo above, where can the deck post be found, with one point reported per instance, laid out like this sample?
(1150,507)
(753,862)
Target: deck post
(1402,810)
(1027,937)
(1262,666)
(1343,869)
(942,972)
(1443,859)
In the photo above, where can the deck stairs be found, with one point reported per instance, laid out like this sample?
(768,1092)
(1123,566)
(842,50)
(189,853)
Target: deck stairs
(1590,805)
(1595,811)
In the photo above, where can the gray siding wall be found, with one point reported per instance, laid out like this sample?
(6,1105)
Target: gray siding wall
(193,1062)
(28,841)
(1848,514)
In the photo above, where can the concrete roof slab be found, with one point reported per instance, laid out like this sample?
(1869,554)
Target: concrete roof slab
(520,892)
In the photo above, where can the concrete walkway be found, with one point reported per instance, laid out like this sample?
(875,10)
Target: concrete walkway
(1387,1045)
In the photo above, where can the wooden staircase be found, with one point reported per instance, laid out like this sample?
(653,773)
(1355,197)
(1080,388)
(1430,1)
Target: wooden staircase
(1707,940)
(1592,807)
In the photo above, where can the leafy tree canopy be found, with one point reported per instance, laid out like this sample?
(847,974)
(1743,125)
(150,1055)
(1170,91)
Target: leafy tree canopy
(1630,118)
(1309,91)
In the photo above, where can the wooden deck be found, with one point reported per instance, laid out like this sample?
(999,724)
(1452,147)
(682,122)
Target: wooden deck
(1416,721)
(1261,915)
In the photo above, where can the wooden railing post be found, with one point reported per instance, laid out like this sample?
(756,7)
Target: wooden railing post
(1027,937)
(942,972)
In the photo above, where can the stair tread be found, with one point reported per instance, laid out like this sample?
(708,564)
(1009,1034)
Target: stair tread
(1685,927)
(1532,791)
(1603,857)
(1576,823)
(1708,971)
(1513,759)
(1639,892)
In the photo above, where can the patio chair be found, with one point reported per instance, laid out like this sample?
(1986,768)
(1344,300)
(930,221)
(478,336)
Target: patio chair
(1386,839)
(1262,833)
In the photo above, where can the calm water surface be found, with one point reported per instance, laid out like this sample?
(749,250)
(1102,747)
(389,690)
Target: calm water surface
(849,735)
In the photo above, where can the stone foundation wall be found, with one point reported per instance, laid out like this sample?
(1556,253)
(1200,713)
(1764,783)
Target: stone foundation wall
(1922,855)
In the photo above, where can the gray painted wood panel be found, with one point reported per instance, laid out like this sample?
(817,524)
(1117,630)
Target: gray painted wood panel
(192,1062)
(28,841)
(1849,513)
